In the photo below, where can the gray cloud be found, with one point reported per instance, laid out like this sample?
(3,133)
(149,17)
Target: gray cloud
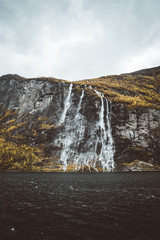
(78,39)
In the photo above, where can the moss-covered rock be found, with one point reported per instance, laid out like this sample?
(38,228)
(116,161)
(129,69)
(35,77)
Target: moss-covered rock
(138,165)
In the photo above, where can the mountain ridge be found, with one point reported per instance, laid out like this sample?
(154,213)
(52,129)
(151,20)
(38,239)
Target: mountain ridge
(145,71)
(136,89)
(111,123)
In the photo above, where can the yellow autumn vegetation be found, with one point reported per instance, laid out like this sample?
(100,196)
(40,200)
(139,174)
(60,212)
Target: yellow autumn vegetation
(45,126)
(133,91)
(14,155)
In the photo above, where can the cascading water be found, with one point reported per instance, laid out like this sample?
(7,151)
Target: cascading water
(104,138)
(107,149)
(98,147)
(66,104)
(110,145)
(74,131)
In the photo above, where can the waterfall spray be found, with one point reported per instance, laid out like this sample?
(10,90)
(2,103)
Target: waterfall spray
(66,105)
(74,130)
(98,147)
(106,156)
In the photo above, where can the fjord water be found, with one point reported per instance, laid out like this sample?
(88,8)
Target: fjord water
(79,206)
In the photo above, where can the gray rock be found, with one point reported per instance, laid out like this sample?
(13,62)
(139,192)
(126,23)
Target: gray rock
(135,132)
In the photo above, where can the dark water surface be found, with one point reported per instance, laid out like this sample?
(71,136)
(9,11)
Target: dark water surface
(79,206)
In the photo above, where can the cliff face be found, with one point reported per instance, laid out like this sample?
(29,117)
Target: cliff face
(136,134)
(71,126)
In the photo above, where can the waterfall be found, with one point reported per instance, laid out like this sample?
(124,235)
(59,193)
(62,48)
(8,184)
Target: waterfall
(111,148)
(107,148)
(80,102)
(79,150)
(105,139)
(74,129)
(78,121)
(66,105)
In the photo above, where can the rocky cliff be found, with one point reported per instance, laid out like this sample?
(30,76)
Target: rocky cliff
(106,124)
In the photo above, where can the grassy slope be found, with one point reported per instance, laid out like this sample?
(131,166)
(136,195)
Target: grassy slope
(14,154)
(138,89)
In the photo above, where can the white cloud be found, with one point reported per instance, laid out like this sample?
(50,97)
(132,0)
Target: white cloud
(145,59)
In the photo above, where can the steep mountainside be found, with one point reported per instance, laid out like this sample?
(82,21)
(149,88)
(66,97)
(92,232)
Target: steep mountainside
(109,123)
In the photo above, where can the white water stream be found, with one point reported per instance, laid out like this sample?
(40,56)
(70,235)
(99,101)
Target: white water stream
(105,139)
(66,104)
(74,134)
(99,147)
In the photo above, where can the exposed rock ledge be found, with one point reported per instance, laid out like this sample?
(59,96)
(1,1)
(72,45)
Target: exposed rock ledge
(51,125)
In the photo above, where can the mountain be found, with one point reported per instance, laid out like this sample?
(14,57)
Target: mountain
(110,123)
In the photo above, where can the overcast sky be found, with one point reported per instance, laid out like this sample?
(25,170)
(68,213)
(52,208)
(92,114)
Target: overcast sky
(78,39)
